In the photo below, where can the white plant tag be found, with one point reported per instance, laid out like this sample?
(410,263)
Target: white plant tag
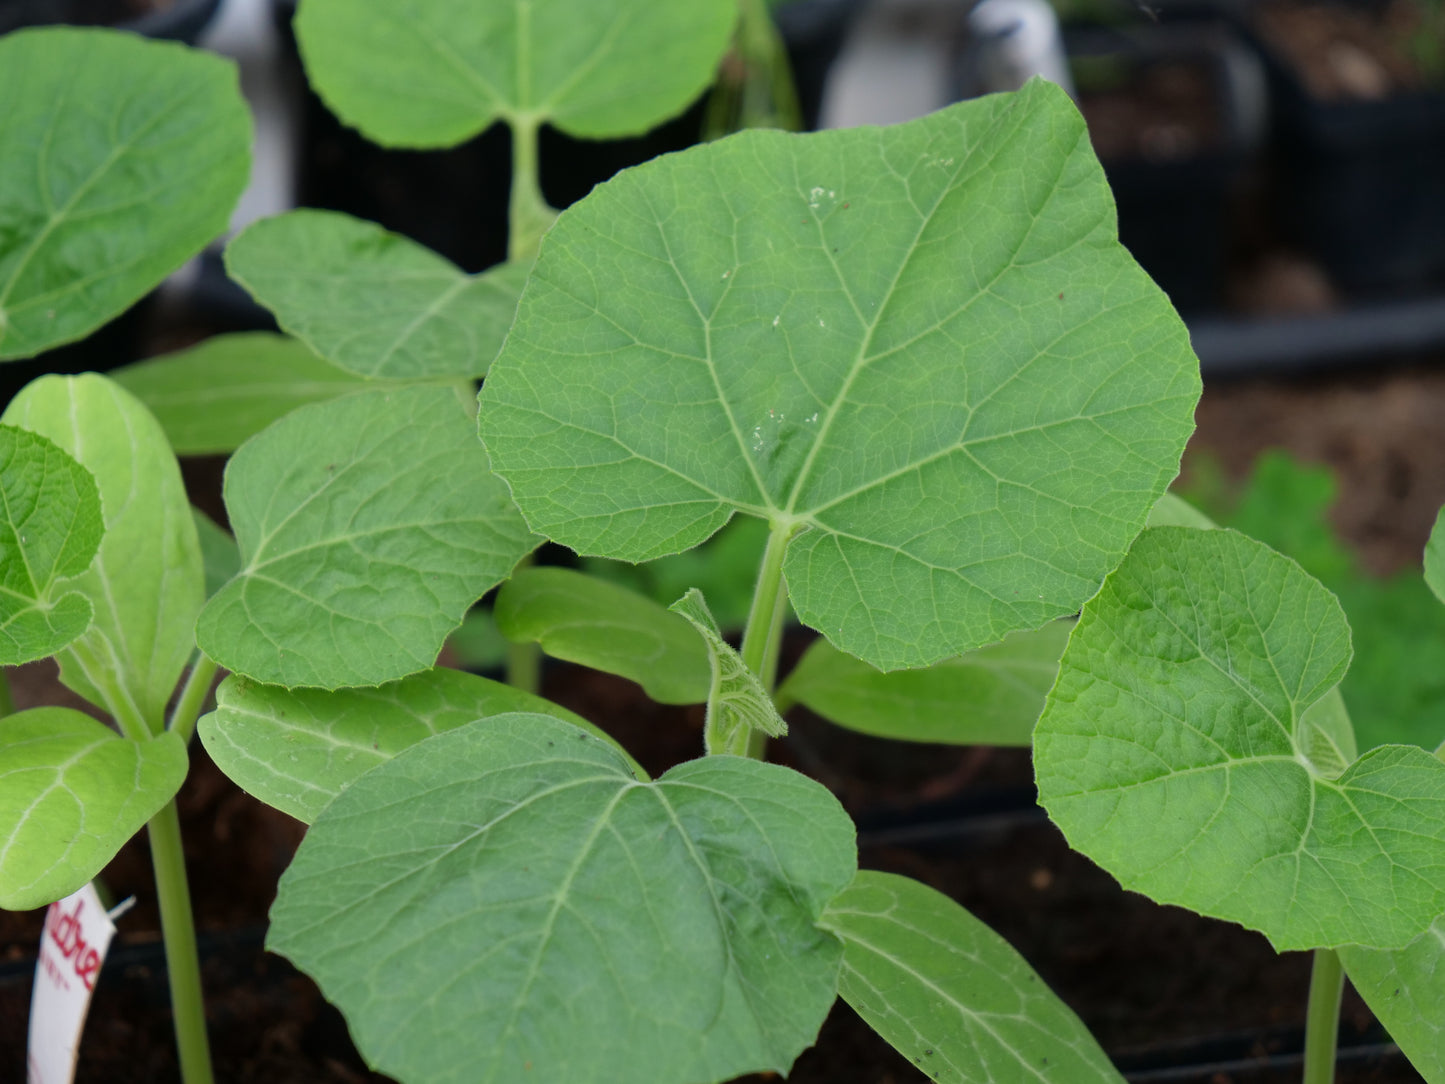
(72,948)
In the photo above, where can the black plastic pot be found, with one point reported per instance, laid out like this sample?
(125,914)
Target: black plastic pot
(1361,183)
(455,201)
(1176,181)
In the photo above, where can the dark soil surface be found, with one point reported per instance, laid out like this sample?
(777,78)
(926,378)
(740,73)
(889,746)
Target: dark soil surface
(1346,52)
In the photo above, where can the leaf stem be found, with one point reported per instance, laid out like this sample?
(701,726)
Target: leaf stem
(193,696)
(178,930)
(762,637)
(524,660)
(1322,1020)
(529,215)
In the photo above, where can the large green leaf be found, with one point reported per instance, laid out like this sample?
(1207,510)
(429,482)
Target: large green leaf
(367,526)
(433,73)
(1435,557)
(298,749)
(146,583)
(214,397)
(1194,747)
(586,620)
(373,302)
(119,159)
(921,347)
(953,996)
(50,528)
(991,696)
(1405,990)
(506,902)
(71,792)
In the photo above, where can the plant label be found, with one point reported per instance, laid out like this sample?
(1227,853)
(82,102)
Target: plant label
(72,948)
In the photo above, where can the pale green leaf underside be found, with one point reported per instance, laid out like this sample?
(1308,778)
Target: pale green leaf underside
(433,73)
(991,696)
(1435,557)
(922,343)
(586,620)
(1175,511)
(146,584)
(1177,751)
(119,159)
(613,930)
(1405,990)
(367,526)
(950,994)
(214,397)
(372,302)
(50,528)
(71,792)
(220,556)
(298,749)
(737,702)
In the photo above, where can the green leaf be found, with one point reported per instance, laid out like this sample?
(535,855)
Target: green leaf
(431,74)
(1435,557)
(1175,511)
(50,528)
(373,302)
(72,791)
(120,158)
(923,344)
(597,624)
(368,526)
(1405,990)
(212,398)
(528,910)
(146,583)
(991,696)
(1182,748)
(737,701)
(477,644)
(220,557)
(297,750)
(950,994)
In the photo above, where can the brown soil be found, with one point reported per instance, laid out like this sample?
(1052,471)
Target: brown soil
(1166,111)
(1346,52)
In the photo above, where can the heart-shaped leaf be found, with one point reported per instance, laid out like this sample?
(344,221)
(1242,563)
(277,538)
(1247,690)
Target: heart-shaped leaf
(433,73)
(528,909)
(119,159)
(147,583)
(991,696)
(373,302)
(50,528)
(919,347)
(367,526)
(214,397)
(588,621)
(950,994)
(71,792)
(1195,747)
(298,749)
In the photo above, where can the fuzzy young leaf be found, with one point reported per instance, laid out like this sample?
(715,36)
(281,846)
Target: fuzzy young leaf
(375,303)
(950,994)
(367,526)
(737,702)
(119,159)
(588,621)
(146,583)
(214,397)
(584,926)
(72,791)
(991,696)
(431,74)
(922,343)
(1435,557)
(298,749)
(50,529)
(1190,747)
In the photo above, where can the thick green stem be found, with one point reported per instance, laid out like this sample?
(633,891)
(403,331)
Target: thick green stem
(762,638)
(179,932)
(193,697)
(1322,1021)
(529,215)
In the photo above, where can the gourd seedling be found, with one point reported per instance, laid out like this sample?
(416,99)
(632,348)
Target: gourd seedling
(921,358)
